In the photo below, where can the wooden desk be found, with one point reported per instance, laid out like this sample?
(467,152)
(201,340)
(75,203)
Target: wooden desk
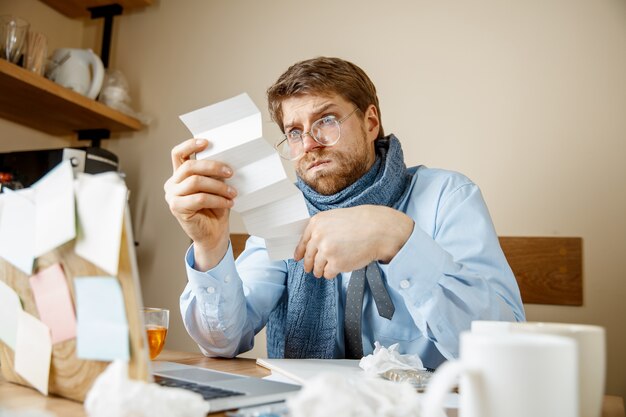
(15,396)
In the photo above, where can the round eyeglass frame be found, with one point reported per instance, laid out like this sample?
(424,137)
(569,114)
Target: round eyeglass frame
(339,122)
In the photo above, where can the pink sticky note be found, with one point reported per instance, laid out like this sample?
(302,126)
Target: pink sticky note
(54,303)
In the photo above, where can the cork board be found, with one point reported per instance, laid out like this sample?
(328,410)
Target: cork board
(71,377)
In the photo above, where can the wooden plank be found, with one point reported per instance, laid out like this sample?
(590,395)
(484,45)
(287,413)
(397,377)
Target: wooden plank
(238,242)
(71,377)
(79,8)
(548,270)
(32,100)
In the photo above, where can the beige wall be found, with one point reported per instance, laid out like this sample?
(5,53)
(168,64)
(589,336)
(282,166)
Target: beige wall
(528,98)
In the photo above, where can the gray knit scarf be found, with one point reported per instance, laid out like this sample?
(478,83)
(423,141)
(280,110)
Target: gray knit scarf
(304,323)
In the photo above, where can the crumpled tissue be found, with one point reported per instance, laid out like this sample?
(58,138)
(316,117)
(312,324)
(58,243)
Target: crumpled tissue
(335,394)
(385,359)
(113,394)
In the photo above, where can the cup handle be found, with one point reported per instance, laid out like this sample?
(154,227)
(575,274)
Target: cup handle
(439,386)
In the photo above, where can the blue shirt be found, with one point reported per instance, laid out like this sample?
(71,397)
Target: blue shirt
(450,272)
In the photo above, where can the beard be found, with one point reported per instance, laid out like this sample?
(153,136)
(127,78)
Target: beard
(348,168)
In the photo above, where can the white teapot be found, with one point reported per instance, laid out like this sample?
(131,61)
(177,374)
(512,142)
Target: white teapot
(72,70)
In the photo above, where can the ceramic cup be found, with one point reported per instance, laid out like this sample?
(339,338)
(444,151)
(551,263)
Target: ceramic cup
(512,375)
(591,355)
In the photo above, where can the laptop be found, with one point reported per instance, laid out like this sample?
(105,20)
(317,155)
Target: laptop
(222,390)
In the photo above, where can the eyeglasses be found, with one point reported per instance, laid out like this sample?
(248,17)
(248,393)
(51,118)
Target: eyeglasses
(325,131)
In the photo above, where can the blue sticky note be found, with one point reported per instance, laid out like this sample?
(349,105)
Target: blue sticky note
(102,327)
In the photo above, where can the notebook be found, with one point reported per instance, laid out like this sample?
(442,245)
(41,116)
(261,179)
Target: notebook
(302,370)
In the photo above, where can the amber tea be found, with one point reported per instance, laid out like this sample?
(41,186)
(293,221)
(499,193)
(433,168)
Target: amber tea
(156,339)
(157,322)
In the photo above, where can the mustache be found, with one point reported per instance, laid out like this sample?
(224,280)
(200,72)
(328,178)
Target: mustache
(311,157)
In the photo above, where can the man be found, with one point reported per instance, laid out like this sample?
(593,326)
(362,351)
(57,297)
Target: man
(390,254)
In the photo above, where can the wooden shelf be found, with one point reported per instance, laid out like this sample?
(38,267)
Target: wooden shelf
(34,101)
(78,8)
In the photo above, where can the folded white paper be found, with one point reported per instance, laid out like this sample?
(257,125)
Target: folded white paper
(262,221)
(271,206)
(259,183)
(226,124)
(241,155)
(282,247)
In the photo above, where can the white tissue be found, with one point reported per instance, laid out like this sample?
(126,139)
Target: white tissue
(335,394)
(114,395)
(384,359)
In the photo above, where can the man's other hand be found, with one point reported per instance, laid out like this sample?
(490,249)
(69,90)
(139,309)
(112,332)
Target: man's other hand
(347,239)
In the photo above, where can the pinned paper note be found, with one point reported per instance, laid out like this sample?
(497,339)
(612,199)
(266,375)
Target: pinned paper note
(33,351)
(270,205)
(102,332)
(100,202)
(38,219)
(10,308)
(17,229)
(55,219)
(54,302)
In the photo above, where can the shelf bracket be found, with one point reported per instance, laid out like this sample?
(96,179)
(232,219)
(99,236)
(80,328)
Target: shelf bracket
(107,12)
(94,135)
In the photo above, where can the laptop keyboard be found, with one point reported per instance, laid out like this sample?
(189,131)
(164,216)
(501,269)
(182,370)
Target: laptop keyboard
(209,393)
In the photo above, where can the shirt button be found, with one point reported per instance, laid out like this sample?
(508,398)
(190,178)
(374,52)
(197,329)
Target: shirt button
(404,284)
(227,279)
(210,290)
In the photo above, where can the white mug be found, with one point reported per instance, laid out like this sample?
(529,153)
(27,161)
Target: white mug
(591,355)
(508,375)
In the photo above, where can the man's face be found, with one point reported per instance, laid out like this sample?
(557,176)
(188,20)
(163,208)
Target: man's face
(329,170)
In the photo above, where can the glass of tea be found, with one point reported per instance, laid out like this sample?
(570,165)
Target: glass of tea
(156,320)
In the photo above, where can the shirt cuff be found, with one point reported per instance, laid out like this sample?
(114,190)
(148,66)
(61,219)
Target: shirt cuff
(404,273)
(221,279)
